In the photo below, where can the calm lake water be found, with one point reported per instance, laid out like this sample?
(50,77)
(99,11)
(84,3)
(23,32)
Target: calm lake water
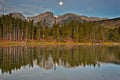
(60,63)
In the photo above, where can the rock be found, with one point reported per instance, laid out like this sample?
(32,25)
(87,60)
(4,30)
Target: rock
(18,15)
(70,16)
(46,19)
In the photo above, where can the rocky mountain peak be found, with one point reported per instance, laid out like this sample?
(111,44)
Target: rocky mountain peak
(70,16)
(18,15)
(47,18)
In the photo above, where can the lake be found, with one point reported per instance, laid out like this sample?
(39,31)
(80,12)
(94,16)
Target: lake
(60,63)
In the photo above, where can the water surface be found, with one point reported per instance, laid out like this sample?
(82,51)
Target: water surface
(60,63)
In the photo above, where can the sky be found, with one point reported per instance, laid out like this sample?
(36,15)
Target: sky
(96,8)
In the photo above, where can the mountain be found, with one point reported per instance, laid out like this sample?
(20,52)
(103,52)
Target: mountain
(70,16)
(47,18)
(110,23)
(67,17)
(18,15)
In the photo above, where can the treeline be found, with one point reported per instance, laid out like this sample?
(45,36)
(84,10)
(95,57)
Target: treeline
(14,29)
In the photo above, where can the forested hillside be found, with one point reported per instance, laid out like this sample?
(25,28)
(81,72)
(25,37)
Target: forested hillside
(16,29)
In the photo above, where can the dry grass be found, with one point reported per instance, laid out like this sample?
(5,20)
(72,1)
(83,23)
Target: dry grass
(37,43)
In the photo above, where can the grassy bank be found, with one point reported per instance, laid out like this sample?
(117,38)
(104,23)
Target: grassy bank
(37,43)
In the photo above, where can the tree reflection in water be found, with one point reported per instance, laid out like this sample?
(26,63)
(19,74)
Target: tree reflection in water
(48,57)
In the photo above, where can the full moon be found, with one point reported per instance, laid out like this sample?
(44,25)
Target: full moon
(60,3)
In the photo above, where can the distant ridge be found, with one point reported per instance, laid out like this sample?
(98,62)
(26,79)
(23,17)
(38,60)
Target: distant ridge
(48,18)
(18,15)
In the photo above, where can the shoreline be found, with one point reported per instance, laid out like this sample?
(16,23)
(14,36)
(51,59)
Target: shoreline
(38,43)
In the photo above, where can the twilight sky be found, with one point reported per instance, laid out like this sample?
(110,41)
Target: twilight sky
(98,8)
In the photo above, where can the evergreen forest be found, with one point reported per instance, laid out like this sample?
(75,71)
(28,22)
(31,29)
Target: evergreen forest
(15,29)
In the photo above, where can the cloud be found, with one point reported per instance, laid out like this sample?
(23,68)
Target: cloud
(90,8)
(33,7)
(2,4)
(25,7)
(82,11)
(4,7)
(1,9)
(2,1)
(31,10)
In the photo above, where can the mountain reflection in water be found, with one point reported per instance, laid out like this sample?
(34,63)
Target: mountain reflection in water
(48,57)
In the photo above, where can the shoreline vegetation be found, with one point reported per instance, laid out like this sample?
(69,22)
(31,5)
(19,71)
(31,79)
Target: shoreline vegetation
(38,43)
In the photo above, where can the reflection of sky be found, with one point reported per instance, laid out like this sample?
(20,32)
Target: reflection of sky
(104,72)
(0,72)
(100,8)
